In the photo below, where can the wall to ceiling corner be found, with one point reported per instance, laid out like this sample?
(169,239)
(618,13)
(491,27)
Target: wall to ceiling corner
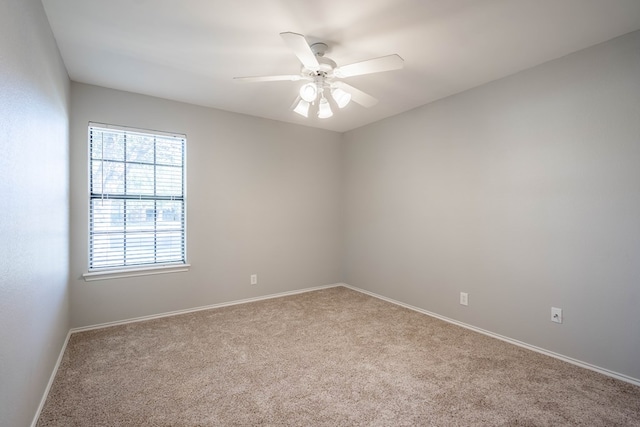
(34,218)
(523,193)
(263,197)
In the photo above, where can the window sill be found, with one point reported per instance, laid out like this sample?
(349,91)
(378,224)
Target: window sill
(134,272)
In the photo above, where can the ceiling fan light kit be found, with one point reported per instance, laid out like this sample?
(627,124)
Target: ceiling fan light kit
(341,97)
(324,109)
(302,108)
(321,73)
(309,92)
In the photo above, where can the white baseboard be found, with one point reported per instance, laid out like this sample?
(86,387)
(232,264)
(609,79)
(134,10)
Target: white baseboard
(51,378)
(205,307)
(571,360)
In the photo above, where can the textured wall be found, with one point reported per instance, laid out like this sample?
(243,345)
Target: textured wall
(34,231)
(525,193)
(263,197)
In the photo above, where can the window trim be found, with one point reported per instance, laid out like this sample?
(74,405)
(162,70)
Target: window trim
(135,272)
(117,272)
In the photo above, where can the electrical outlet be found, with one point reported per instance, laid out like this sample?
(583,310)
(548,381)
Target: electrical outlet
(556,315)
(254,279)
(464,298)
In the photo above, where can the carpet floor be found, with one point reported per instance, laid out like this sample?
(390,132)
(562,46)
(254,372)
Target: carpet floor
(333,357)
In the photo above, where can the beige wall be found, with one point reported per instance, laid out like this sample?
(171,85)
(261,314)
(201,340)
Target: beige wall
(525,193)
(34,219)
(263,197)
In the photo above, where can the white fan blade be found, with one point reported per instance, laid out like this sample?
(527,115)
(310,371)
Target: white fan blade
(291,78)
(357,95)
(298,44)
(377,65)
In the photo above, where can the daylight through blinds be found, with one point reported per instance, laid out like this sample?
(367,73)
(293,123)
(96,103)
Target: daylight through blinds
(137,198)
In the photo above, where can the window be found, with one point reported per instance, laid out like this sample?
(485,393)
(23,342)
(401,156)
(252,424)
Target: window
(137,198)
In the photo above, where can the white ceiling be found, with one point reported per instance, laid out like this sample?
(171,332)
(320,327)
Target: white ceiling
(190,50)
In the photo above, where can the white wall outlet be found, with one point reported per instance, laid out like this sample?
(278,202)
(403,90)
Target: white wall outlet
(254,279)
(556,314)
(464,298)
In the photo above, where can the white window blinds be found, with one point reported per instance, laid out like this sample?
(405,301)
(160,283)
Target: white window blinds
(137,198)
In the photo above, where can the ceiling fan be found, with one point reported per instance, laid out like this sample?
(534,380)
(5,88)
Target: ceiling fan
(322,75)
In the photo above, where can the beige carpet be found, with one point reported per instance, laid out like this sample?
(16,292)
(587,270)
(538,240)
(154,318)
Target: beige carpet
(333,357)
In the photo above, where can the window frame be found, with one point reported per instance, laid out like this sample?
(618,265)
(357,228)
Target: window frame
(121,271)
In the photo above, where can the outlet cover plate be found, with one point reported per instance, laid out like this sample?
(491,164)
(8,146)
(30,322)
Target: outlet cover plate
(556,315)
(464,298)
(254,279)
